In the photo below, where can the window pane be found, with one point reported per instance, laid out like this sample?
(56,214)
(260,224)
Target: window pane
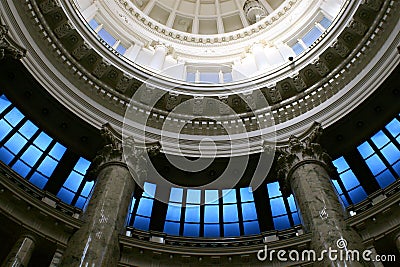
(229,196)
(251,228)
(344,200)
(311,36)
(246,194)
(38,180)
(57,151)
(278,206)
(211,230)
(365,150)
(21,168)
(385,179)
(292,203)
(28,129)
(231,229)
(80,202)
(174,212)
(273,190)
(4,103)
(191,77)
(357,195)
(211,196)
(281,223)
(107,37)
(31,155)
(396,168)
(47,166)
(15,143)
(337,187)
(349,180)
(73,181)
(149,190)
(65,195)
(393,127)
(121,49)
(43,141)
(145,207)
(87,189)
(14,116)
(375,164)
(192,213)
(171,228)
(191,229)
(230,213)
(141,223)
(211,214)
(341,164)
(227,77)
(249,211)
(176,195)
(296,218)
(297,48)
(391,153)
(193,196)
(380,139)
(5,155)
(209,77)
(93,24)
(82,165)
(5,128)
(325,23)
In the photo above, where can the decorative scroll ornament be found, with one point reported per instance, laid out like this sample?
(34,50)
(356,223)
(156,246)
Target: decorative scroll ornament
(8,47)
(299,152)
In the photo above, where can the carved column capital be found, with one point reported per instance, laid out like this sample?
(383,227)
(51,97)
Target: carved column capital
(8,47)
(299,152)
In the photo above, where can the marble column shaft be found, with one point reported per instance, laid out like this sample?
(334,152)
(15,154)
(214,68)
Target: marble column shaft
(306,171)
(96,242)
(21,252)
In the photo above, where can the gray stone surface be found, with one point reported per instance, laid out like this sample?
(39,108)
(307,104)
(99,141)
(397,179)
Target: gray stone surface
(21,252)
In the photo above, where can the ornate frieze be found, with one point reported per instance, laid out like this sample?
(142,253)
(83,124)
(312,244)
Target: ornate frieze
(8,46)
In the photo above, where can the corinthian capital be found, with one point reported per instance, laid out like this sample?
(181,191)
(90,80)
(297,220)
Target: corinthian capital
(302,151)
(8,47)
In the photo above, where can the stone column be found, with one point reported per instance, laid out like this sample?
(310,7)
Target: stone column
(306,171)
(57,257)
(21,252)
(160,52)
(96,242)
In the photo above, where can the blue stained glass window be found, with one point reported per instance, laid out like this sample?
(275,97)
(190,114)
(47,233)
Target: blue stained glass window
(31,155)
(375,164)
(14,116)
(107,37)
(230,213)
(5,129)
(281,222)
(73,181)
(211,196)
(384,179)
(229,196)
(87,188)
(277,206)
(190,229)
(211,230)
(273,190)
(43,141)
(325,22)
(380,139)
(311,36)
(149,190)
(193,196)
(292,203)
(211,214)
(65,195)
(145,207)
(176,194)
(28,129)
(47,166)
(391,153)
(80,202)
(251,228)
(344,200)
(172,228)
(249,211)
(349,180)
(341,164)
(297,48)
(174,212)
(192,213)
(296,218)
(337,187)
(15,143)
(38,180)
(21,168)
(57,151)
(393,127)
(231,229)
(357,195)
(82,165)
(5,155)
(396,168)
(4,103)
(365,150)
(246,194)
(142,223)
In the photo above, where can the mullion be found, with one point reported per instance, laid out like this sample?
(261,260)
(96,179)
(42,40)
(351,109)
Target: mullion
(134,210)
(24,148)
(391,138)
(288,211)
(13,131)
(344,191)
(78,192)
(183,211)
(202,211)
(239,211)
(41,158)
(382,157)
(221,213)
(6,111)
